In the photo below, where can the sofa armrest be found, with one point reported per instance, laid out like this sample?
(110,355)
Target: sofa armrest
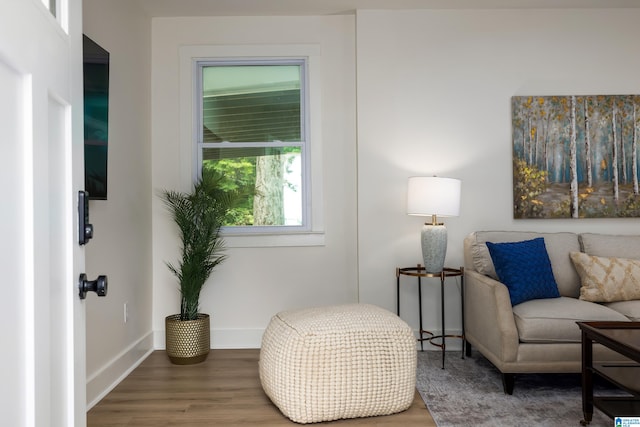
(489,320)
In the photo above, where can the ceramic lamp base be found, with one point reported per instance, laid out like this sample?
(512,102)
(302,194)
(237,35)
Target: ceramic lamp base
(434,247)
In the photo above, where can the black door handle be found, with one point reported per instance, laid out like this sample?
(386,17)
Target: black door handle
(99,286)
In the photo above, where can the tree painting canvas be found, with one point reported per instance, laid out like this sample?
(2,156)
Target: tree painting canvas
(575,156)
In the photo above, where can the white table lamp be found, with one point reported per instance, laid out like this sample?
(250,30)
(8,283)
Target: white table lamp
(433,196)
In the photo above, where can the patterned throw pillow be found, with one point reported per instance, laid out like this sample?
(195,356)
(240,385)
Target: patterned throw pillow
(607,279)
(525,269)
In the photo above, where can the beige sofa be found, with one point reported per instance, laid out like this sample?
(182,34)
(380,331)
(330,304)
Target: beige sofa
(539,335)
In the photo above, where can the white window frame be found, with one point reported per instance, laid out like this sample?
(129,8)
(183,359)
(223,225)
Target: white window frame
(312,231)
(304,120)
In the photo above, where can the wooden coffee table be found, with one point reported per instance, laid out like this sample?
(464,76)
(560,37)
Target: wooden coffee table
(623,338)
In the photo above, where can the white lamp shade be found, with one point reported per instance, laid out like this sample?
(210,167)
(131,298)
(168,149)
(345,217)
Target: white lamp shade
(433,195)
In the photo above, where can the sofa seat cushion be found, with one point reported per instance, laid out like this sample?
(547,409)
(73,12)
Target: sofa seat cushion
(630,309)
(554,320)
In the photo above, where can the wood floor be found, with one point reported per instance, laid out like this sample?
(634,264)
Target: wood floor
(225,390)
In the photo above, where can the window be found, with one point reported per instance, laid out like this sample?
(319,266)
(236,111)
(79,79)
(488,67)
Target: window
(252,131)
(53,7)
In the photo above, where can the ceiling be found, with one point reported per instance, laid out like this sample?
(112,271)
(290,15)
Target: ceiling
(160,8)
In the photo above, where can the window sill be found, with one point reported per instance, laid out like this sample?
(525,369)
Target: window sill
(274,240)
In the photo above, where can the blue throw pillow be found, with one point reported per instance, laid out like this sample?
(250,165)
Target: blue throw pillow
(525,269)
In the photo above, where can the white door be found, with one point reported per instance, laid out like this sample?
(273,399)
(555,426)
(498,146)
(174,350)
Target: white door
(42,361)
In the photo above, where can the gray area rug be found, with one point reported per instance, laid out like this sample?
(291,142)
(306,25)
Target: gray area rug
(468,392)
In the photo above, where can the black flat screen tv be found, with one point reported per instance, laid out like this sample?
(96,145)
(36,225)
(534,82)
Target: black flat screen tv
(96,118)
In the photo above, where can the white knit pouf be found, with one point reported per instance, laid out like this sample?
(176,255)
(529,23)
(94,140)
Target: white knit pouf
(347,361)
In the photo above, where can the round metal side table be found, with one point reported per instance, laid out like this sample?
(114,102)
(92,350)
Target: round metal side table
(420,272)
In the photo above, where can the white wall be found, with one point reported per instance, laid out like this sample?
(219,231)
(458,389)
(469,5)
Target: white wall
(121,247)
(256,282)
(434,91)
(433,96)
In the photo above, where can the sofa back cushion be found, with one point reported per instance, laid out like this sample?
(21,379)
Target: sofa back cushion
(609,245)
(558,246)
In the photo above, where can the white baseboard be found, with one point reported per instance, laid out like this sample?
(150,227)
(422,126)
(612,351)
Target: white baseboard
(252,338)
(222,338)
(110,375)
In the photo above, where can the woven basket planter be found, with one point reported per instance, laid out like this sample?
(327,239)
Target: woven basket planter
(187,341)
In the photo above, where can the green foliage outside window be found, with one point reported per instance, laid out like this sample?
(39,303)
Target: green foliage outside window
(238,176)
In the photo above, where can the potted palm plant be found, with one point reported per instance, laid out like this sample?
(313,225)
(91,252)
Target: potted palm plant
(199,216)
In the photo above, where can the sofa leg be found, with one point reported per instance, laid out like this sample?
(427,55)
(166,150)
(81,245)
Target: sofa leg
(508,381)
(467,349)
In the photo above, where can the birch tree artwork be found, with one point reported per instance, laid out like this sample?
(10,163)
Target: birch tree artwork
(575,156)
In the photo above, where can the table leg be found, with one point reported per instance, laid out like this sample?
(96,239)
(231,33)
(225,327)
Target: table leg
(587,379)
(398,292)
(420,310)
(442,276)
(464,340)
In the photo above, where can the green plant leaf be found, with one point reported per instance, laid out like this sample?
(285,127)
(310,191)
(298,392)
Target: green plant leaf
(199,216)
